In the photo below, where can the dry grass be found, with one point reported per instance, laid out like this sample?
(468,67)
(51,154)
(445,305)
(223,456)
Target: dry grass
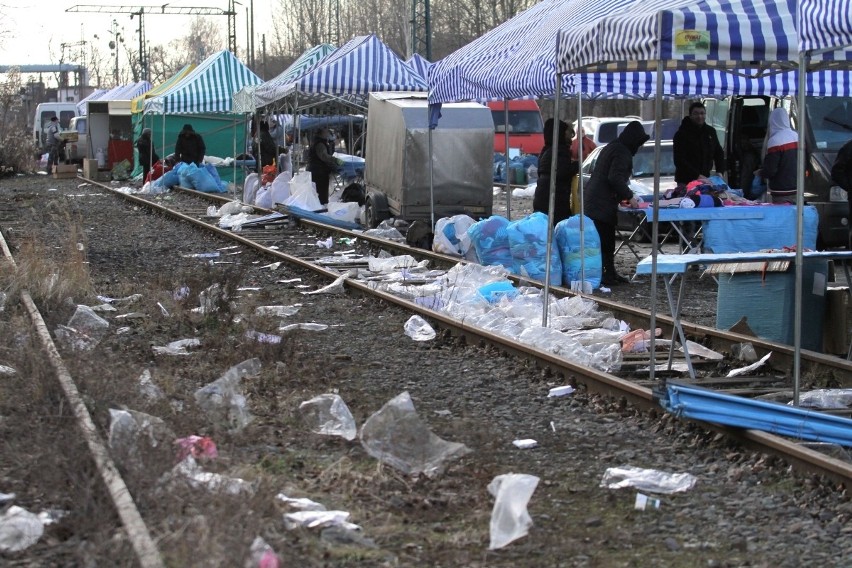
(53,273)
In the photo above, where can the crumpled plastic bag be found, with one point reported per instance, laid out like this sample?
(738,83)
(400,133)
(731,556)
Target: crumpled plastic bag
(419,329)
(19,529)
(121,170)
(509,517)
(328,414)
(650,480)
(223,400)
(398,437)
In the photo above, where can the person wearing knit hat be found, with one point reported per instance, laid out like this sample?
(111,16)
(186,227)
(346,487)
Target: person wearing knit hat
(147,155)
(190,147)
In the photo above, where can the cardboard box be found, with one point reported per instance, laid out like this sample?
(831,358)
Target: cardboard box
(64,171)
(90,169)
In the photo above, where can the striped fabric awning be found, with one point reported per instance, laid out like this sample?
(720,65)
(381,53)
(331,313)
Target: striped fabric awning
(420,65)
(513,60)
(138,103)
(825,24)
(727,34)
(209,88)
(361,66)
(82,106)
(249,99)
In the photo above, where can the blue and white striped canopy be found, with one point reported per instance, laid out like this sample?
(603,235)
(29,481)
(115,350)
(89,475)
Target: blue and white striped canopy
(726,34)
(361,66)
(420,65)
(209,88)
(251,98)
(825,24)
(512,61)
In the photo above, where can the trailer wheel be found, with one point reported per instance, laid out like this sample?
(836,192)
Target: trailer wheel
(370,214)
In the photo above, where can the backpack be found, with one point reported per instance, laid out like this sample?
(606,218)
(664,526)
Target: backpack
(354,193)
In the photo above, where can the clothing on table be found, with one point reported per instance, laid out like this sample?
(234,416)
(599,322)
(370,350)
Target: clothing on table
(695,149)
(190,147)
(147,155)
(321,163)
(781,162)
(609,186)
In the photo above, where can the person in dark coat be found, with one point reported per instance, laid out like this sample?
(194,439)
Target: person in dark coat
(780,165)
(841,172)
(696,148)
(190,147)
(566,169)
(609,186)
(147,155)
(264,148)
(321,162)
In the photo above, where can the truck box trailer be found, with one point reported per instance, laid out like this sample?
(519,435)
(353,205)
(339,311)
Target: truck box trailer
(397,176)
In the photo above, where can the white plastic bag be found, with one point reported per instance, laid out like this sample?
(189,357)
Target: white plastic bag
(264,197)
(303,194)
(250,188)
(281,187)
(349,212)
(509,518)
(451,235)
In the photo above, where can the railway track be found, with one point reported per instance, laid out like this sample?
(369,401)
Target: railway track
(295,244)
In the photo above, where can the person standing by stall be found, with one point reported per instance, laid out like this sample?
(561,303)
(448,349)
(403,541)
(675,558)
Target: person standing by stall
(609,186)
(321,162)
(264,148)
(841,173)
(588,145)
(566,169)
(190,147)
(54,143)
(780,163)
(147,155)
(696,148)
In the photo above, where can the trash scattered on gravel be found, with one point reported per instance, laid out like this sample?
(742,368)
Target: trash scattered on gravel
(419,329)
(263,555)
(19,529)
(300,503)
(318,519)
(509,517)
(197,447)
(328,414)
(188,471)
(644,502)
(6,370)
(560,391)
(178,347)
(261,337)
(650,480)
(223,400)
(335,287)
(277,311)
(307,326)
(749,368)
(396,435)
(525,444)
(148,388)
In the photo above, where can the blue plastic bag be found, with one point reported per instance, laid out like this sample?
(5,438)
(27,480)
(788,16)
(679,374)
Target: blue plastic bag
(758,187)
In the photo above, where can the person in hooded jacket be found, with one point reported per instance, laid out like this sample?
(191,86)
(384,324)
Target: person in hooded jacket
(609,186)
(321,162)
(696,148)
(264,148)
(841,172)
(566,169)
(190,147)
(147,155)
(780,163)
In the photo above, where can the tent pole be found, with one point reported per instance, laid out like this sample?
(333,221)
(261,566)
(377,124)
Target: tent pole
(554,146)
(431,174)
(655,224)
(580,191)
(801,115)
(506,138)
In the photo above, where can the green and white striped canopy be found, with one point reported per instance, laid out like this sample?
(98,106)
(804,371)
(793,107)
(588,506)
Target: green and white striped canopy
(251,98)
(209,88)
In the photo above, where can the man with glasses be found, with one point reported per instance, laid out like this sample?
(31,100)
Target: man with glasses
(696,148)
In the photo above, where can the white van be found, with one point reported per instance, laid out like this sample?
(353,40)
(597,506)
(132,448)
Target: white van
(44,112)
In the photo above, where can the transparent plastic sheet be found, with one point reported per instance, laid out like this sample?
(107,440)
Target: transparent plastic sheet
(397,436)
(826,398)
(19,529)
(509,517)
(393,264)
(650,480)
(85,329)
(389,233)
(262,555)
(318,519)
(131,432)
(178,347)
(328,414)
(223,401)
(419,329)
(300,503)
(190,473)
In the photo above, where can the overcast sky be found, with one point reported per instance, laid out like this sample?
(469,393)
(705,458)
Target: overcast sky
(36,30)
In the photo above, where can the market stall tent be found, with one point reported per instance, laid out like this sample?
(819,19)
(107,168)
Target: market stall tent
(420,64)
(204,99)
(109,125)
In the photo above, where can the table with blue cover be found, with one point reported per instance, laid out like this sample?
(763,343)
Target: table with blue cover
(678,264)
(735,228)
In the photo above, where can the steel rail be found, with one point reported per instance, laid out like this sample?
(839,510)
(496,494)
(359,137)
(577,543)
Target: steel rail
(595,381)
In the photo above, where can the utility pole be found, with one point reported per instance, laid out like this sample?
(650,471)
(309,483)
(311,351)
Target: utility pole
(163,9)
(421,29)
